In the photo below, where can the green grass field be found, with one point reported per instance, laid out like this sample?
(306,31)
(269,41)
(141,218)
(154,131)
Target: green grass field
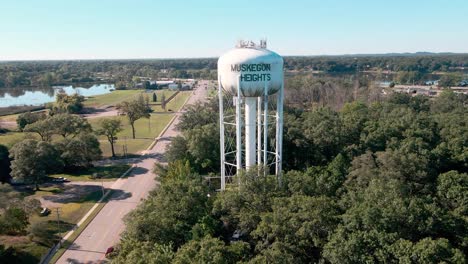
(11,138)
(146,129)
(119,96)
(112,98)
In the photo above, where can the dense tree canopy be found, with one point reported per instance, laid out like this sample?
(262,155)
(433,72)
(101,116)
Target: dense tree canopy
(380,182)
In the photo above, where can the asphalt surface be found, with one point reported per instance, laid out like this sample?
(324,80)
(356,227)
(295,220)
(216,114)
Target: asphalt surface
(105,229)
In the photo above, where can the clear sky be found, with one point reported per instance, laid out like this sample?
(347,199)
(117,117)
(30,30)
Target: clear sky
(114,29)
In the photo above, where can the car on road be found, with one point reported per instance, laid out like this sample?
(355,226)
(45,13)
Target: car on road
(109,250)
(60,179)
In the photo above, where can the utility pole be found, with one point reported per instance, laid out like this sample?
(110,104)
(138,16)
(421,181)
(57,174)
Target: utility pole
(125,146)
(149,123)
(58,210)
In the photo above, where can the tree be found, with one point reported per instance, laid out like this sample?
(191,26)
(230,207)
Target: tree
(64,103)
(14,220)
(43,128)
(210,250)
(168,215)
(110,128)
(4,165)
(135,110)
(358,246)
(142,252)
(79,151)
(301,224)
(452,191)
(427,250)
(155,97)
(32,160)
(68,124)
(28,118)
(178,150)
(201,147)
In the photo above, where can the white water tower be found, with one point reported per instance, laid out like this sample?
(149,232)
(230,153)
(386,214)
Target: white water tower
(250,79)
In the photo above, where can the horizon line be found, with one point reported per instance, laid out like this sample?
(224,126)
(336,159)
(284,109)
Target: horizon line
(422,53)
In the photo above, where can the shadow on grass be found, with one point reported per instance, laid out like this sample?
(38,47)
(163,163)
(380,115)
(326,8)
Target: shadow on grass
(75,193)
(117,195)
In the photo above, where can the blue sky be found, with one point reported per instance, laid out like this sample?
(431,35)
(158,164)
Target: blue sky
(113,29)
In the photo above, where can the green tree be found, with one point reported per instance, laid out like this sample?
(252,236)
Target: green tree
(68,124)
(28,118)
(168,215)
(358,247)
(64,103)
(79,151)
(32,160)
(110,128)
(142,252)
(135,110)
(301,224)
(14,220)
(210,250)
(43,128)
(202,148)
(452,191)
(427,250)
(178,150)
(450,79)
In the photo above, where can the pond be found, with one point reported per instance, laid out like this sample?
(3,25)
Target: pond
(39,96)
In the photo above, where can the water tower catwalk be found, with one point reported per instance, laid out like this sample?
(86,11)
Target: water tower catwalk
(251,95)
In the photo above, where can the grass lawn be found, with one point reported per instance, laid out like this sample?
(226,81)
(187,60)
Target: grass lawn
(11,138)
(167,93)
(175,104)
(104,173)
(112,98)
(119,96)
(9,118)
(146,129)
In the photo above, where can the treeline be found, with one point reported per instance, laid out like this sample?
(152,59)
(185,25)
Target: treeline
(46,73)
(384,182)
(423,63)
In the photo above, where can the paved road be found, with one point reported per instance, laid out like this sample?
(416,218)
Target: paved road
(105,229)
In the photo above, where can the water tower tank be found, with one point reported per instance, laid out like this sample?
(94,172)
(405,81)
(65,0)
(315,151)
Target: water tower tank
(252,66)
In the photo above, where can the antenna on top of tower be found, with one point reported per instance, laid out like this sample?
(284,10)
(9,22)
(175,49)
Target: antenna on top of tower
(250,44)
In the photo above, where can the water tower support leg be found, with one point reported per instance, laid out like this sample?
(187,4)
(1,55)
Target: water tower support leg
(265,131)
(279,134)
(221,136)
(259,131)
(250,127)
(238,132)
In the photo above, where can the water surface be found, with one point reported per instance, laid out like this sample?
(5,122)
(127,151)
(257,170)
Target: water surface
(39,96)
